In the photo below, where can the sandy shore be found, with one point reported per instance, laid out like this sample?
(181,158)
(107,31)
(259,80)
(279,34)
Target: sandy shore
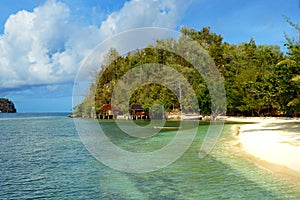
(272,140)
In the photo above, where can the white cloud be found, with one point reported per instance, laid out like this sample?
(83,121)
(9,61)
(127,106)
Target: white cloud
(28,43)
(143,13)
(45,46)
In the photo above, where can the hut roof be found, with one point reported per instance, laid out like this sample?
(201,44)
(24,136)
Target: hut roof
(136,107)
(108,107)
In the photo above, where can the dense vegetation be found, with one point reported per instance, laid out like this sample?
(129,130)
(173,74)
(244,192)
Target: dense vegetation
(6,106)
(259,79)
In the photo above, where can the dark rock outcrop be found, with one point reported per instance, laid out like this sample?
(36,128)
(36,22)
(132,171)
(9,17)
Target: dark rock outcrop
(6,106)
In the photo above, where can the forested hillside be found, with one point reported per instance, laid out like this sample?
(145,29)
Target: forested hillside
(260,80)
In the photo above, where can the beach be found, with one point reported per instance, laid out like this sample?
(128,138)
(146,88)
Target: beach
(272,143)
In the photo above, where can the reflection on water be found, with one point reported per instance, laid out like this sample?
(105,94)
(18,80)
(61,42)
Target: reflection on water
(44,158)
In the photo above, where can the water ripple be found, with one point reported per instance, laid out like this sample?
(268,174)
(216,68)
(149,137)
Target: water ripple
(43,158)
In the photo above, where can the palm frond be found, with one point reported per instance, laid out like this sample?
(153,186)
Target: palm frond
(294,102)
(286,61)
(296,78)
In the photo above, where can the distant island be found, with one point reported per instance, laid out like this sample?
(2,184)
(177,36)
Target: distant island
(7,106)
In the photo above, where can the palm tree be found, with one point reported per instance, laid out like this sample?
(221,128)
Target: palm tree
(296,101)
(293,45)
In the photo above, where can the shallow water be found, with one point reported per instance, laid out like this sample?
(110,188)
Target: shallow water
(44,158)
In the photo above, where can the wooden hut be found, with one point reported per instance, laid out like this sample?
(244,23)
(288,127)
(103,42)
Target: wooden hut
(137,112)
(108,111)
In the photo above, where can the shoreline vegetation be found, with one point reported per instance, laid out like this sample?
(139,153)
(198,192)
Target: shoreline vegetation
(271,143)
(259,80)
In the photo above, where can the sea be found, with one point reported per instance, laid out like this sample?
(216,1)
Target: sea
(43,157)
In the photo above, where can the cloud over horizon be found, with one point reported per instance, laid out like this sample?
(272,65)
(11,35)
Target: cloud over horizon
(46,46)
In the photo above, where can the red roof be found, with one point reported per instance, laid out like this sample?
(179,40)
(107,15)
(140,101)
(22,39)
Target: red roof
(108,107)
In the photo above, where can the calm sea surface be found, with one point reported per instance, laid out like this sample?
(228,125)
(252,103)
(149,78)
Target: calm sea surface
(42,156)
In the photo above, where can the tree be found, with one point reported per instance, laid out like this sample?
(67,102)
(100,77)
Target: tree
(293,61)
(259,79)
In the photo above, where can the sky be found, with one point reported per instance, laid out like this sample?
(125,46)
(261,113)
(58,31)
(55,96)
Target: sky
(42,43)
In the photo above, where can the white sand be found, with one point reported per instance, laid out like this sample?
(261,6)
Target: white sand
(273,140)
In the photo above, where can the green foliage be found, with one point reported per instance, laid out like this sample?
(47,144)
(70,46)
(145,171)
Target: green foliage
(292,62)
(259,79)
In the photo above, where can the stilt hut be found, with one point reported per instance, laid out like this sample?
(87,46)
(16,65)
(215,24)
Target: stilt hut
(108,111)
(137,112)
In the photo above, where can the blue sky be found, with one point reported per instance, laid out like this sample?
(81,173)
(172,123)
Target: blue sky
(43,42)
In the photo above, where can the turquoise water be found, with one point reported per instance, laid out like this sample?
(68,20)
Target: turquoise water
(43,157)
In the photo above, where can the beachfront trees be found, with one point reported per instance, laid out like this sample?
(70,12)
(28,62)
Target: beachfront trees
(247,68)
(293,62)
(257,77)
